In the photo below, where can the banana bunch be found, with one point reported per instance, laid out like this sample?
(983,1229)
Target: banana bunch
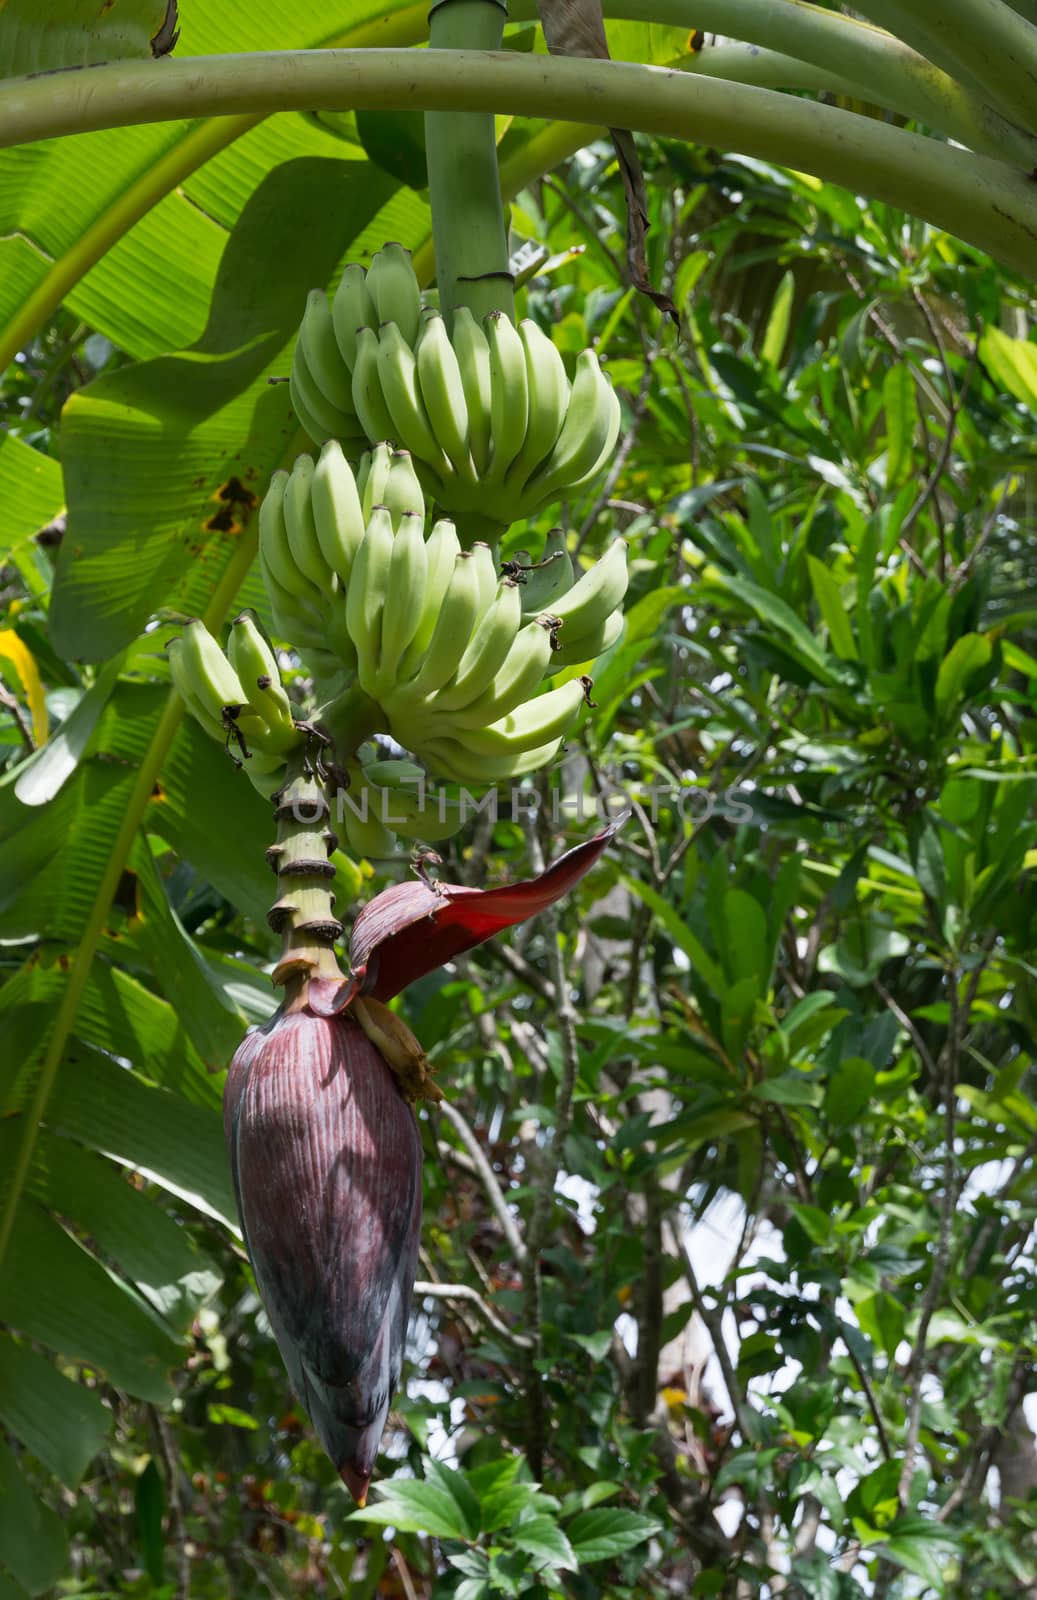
(385,800)
(488,413)
(443,648)
(312,523)
(238,698)
(450,654)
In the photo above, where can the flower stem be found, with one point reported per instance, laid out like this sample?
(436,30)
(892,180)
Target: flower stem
(468,227)
(304,910)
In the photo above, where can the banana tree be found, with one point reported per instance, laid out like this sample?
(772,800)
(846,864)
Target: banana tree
(222,183)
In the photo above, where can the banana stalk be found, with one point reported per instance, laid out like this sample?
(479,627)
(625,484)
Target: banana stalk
(468,226)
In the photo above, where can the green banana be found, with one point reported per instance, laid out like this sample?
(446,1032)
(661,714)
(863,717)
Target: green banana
(442,550)
(458,614)
(373,476)
(404,599)
(184,684)
(337,512)
(395,290)
(274,545)
(550,578)
(367,390)
(302,528)
(256,667)
(209,677)
(588,433)
(456,762)
(548,402)
(486,571)
(365,835)
(517,680)
(321,352)
(365,596)
(535,723)
(398,372)
(314,410)
(588,646)
(403,492)
(296,621)
(473,364)
(439,378)
(352,309)
(509,394)
(594,595)
(487,650)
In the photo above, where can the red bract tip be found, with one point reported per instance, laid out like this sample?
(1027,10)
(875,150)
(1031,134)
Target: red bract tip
(356,1483)
(413,928)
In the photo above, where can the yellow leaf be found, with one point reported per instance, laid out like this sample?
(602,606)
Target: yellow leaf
(24,664)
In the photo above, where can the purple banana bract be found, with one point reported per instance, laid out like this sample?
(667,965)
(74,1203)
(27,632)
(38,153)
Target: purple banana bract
(326,1158)
(326,1154)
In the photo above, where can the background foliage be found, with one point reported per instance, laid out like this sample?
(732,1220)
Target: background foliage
(759,1097)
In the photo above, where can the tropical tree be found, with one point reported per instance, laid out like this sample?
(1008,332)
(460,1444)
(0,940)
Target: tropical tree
(724,1284)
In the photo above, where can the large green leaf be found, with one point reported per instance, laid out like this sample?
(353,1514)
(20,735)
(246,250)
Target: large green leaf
(127,226)
(54,1291)
(160,1135)
(66,33)
(31,490)
(61,1422)
(33,1544)
(126,1226)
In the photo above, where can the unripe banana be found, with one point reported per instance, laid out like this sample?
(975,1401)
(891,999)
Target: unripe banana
(473,363)
(548,401)
(366,837)
(296,621)
(258,673)
(302,528)
(208,673)
(398,372)
(456,762)
(550,578)
(439,378)
(265,774)
(314,410)
(509,394)
(394,288)
(403,492)
(454,625)
(392,771)
(588,434)
(409,808)
(486,571)
(404,599)
(352,308)
(274,546)
(367,390)
(322,354)
(365,596)
(517,680)
(531,725)
(184,684)
(336,633)
(588,646)
(373,476)
(337,512)
(594,596)
(442,550)
(487,651)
